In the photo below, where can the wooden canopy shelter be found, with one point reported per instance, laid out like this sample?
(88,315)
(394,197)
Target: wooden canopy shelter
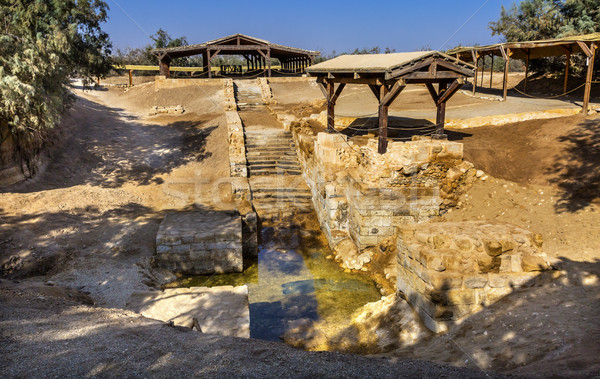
(387,75)
(583,44)
(256,52)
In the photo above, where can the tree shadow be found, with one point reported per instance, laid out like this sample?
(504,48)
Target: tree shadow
(576,172)
(103,146)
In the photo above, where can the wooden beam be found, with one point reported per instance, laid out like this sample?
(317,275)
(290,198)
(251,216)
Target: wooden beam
(350,80)
(268,58)
(438,75)
(586,50)
(376,90)
(448,93)
(338,92)
(417,66)
(323,88)
(130,78)
(432,91)
(394,92)
(588,79)
(383,120)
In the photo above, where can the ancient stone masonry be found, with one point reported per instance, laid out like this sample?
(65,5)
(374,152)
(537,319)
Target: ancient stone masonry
(235,133)
(265,91)
(365,196)
(450,270)
(200,243)
(176,109)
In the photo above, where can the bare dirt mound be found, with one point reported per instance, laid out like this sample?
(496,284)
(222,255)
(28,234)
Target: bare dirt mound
(564,152)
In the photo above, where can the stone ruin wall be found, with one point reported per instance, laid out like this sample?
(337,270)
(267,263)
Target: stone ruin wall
(362,197)
(448,271)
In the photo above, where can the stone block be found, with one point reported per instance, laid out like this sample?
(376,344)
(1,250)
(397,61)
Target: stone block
(211,232)
(475,281)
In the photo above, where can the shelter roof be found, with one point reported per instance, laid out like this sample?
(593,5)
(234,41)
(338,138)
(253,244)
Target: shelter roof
(235,44)
(535,49)
(390,66)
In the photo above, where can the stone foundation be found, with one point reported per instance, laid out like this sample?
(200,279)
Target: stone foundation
(200,243)
(235,133)
(450,270)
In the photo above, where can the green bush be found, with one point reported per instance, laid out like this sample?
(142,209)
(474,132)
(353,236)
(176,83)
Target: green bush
(43,43)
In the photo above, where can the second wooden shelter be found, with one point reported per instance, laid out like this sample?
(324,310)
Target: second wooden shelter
(387,75)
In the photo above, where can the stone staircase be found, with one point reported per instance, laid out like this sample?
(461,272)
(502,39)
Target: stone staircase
(271,152)
(278,188)
(247,94)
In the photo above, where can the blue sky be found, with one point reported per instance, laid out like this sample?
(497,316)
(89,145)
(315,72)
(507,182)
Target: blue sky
(315,25)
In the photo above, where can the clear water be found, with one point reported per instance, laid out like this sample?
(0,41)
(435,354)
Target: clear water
(292,279)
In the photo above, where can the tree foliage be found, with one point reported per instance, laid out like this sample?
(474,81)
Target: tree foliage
(143,55)
(42,43)
(544,19)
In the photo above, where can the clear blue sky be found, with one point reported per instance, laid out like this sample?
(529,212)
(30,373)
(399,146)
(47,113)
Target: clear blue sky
(315,25)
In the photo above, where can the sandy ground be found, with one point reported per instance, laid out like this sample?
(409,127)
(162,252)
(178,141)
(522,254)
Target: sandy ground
(88,222)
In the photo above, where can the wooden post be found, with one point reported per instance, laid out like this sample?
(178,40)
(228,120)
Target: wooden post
(567,64)
(130,78)
(482,70)
(208,65)
(331,94)
(269,63)
(440,118)
(492,71)
(383,120)
(164,63)
(506,56)
(476,63)
(588,78)
(526,70)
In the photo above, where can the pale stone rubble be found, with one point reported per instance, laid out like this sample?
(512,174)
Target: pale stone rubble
(450,270)
(222,310)
(176,109)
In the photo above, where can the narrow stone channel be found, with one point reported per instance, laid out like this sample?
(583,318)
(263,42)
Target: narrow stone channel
(292,279)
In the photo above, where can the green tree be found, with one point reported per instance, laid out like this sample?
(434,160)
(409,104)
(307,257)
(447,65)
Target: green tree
(43,43)
(543,19)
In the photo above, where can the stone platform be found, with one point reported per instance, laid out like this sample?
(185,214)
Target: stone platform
(450,270)
(220,310)
(200,243)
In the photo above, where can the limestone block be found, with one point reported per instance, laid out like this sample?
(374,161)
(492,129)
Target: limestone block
(465,264)
(215,242)
(218,310)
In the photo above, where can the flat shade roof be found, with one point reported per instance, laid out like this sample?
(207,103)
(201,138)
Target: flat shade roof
(378,63)
(532,49)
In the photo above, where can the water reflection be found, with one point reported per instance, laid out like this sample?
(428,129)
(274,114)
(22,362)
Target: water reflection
(291,280)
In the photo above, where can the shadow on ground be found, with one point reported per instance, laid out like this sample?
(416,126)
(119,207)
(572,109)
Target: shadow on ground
(106,147)
(577,174)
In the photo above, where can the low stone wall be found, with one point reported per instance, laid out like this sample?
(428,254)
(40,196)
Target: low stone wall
(265,91)
(235,133)
(450,270)
(200,243)
(161,82)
